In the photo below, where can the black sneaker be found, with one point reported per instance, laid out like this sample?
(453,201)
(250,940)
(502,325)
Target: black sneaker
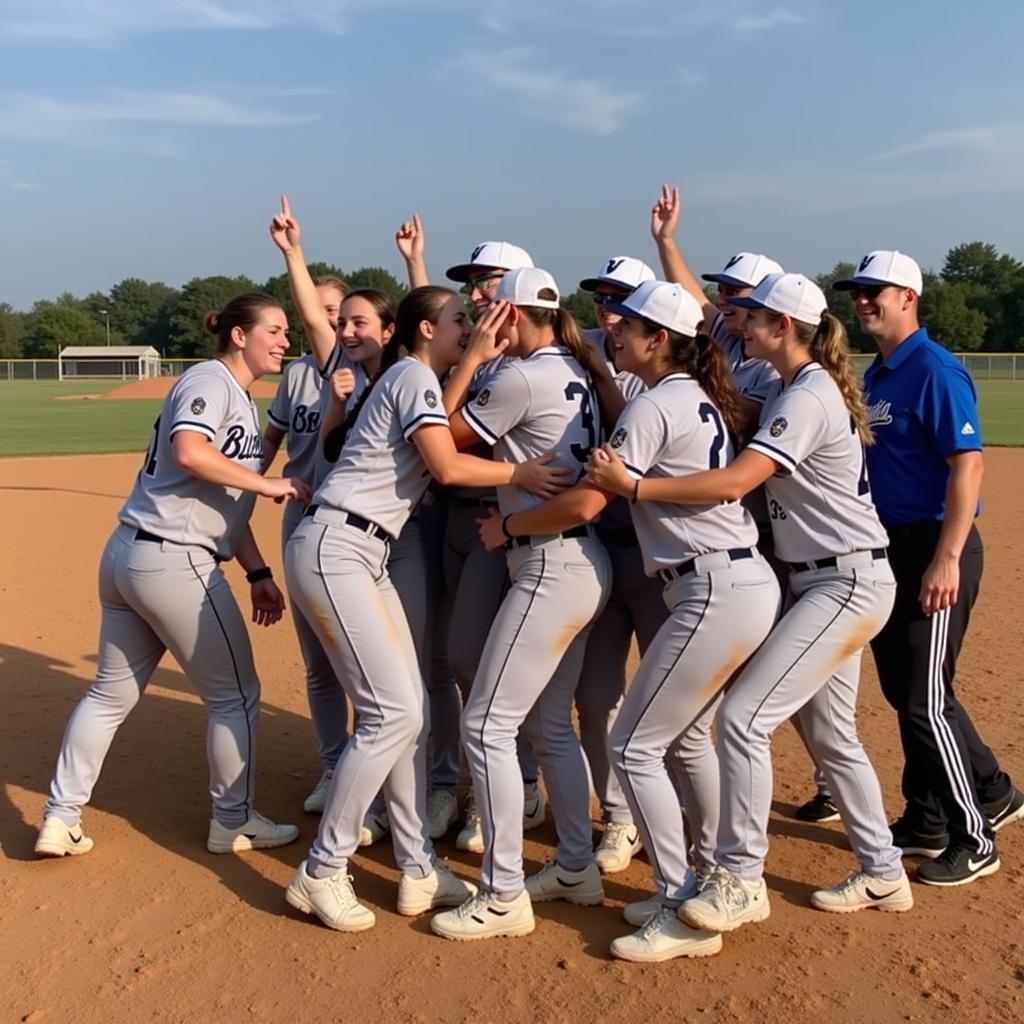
(958,866)
(917,844)
(1003,812)
(818,808)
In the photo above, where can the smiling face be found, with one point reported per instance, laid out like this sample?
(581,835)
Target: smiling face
(361,332)
(451,332)
(603,294)
(763,333)
(331,298)
(634,348)
(481,286)
(733,317)
(265,344)
(885,311)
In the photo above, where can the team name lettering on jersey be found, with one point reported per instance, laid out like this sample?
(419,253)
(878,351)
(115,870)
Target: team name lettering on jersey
(238,444)
(880,414)
(305,420)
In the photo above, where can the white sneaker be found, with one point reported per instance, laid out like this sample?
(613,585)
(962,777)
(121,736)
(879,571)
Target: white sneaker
(486,917)
(375,827)
(725,902)
(471,836)
(665,937)
(439,889)
(617,848)
(56,839)
(332,899)
(258,833)
(861,891)
(442,811)
(638,914)
(534,806)
(317,800)
(553,882)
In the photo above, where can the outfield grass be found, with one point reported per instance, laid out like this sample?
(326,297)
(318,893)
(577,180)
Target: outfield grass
(34,421)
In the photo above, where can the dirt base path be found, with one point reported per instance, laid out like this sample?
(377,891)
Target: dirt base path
(149,927)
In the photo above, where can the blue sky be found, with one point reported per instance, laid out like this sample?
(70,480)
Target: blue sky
(152,138)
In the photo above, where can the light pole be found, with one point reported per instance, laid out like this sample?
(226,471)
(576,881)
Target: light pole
(106,317)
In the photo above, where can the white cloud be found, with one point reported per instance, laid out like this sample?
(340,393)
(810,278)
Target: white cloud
(980,139)
(764,21)
(525,80)
(8,180)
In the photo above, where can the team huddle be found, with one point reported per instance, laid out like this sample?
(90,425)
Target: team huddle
(486,506)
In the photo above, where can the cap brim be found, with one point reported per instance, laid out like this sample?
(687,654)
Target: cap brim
(747,302)
(726,279)
(463,271)
(856,282)
(621,309)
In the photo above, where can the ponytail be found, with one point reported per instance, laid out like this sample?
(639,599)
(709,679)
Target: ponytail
(562,323)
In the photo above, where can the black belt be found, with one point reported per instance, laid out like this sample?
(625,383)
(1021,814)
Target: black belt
(151,538)
(351,519)
(690,565)
(832,562)
(616,536)
(576,531)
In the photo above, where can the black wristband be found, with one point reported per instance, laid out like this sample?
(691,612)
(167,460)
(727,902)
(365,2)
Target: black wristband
(504,526)
(258,575)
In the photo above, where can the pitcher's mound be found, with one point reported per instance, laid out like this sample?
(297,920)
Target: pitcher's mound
(157,387)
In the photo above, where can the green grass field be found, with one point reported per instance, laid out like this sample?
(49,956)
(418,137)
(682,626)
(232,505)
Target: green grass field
(34,421)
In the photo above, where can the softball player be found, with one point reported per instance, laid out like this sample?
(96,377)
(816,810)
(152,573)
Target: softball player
(161,587)
(809,454)
(337,568)
(541,401)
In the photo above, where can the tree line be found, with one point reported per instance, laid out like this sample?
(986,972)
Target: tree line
(974,303)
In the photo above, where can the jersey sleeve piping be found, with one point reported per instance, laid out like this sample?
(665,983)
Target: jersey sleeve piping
(471,418)
(276,420)
(773,453)
(191,425)
(421,420)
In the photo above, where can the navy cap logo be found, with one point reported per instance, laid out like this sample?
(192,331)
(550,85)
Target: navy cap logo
(734,261)
(476,252)
(614,265)
(864,262)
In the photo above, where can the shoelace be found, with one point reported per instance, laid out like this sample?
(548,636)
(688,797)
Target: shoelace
(614,832)
(262,819)
(472,905)
(849,883)
(341,886)
(727,888)
(657,922)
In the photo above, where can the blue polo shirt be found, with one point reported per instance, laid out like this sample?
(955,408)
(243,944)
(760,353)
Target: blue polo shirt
(923,408)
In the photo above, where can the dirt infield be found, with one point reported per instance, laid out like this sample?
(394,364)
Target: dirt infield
(158,387)
(149,927)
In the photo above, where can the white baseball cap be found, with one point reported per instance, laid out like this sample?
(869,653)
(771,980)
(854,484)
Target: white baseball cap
(793,294)
(522,287)
(490,256)
(745,270)
(667,305)
(885,266)
(621,272)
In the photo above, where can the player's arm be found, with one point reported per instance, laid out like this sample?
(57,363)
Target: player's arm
(580,504)
(411,242)
(332,424)
(285,231)
(748,470)
(483,347)
(272,438)
(664,221)
(267,600)
(609,397)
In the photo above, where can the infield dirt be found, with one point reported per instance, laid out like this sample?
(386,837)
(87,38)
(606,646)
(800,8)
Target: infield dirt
(150,927)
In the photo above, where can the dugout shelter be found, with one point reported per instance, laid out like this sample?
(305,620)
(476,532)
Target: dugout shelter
(108,362)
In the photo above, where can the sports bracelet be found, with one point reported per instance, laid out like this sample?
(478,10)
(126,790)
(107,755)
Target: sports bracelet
(504,526)
(258,575)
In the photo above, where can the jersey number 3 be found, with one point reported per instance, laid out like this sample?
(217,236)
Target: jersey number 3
(574,391)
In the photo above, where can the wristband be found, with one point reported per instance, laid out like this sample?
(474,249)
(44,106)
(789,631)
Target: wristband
(636,493)
(258,575)
(504,526)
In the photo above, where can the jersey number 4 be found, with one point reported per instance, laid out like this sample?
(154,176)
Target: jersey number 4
(577,391)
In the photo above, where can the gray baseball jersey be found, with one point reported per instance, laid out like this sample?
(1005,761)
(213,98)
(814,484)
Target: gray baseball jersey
(753,377)
(380,474)
(173,504)
(338,361)
(674,429)
(544,403)
(819,499)
(296,410)
(481,379)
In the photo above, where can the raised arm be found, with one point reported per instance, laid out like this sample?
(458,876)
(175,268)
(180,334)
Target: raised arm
(287,235)
(343,383)
(411,242)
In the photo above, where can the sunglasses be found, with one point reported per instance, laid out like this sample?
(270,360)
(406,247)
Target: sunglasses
(868,291)
(731,291)
(607,298)
(482,282)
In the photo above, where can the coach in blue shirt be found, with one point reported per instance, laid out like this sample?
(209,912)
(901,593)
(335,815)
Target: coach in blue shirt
(925,470)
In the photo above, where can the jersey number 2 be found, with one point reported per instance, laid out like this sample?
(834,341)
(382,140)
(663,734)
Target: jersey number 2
(574,391)
(709,414)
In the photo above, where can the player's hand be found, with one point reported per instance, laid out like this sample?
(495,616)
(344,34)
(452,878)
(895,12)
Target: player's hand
(539,477)
(665,214)
(410,239)
(343,383)
(940,584)
(280,488)
(606,470)
(483,345)
(491,534)
(284,228)
(267,603)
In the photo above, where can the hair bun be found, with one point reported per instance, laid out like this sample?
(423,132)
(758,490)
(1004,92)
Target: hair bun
(212,322)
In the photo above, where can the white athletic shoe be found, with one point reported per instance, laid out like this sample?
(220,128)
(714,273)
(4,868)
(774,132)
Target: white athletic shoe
(725,902)
(442,812)
(59,840)
(639,913)
(439,889)
(534,806)
(258,833)
(375,828)
(665,937)
(317,800)
(332,899)
(861,891)
(619,844)
(471,836)
(553,882)
(486,917)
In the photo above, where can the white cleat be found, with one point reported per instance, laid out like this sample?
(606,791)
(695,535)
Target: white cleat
(258,833)
(471,836)
(619,844)
(332,899)
(439,889)
(56,839)
(317,800)
(486,917)
(665,937)
(861,891)
(553,882)
(638,914)
(725,902)
(375,827)
(442,812)
(534,806)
